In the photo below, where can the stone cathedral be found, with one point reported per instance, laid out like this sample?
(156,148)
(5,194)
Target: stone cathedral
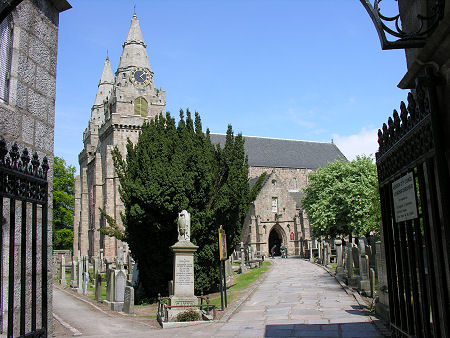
(127,99)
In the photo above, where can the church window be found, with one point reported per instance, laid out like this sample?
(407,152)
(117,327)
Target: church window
(294,183)
(6,29)
(141,107)
(274,204)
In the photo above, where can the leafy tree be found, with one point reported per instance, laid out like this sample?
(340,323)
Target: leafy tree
(171,168)
(63,199)
(342,198)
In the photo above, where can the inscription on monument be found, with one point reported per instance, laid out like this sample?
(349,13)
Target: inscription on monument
(184,271)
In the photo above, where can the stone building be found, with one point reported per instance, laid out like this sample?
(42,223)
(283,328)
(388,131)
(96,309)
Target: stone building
(123,102)
(276,216)
(28,49)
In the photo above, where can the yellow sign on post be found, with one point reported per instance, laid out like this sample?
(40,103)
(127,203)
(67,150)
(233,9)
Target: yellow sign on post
(222,245)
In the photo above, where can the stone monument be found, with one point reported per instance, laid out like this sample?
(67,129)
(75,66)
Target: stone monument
(339,258)
(183,267)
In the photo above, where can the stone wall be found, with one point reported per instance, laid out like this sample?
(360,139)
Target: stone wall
(28,118)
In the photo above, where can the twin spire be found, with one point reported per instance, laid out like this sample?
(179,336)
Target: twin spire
(134,54)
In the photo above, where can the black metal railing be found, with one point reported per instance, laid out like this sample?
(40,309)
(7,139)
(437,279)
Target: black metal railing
(415,227)
(164,307)
(24,187)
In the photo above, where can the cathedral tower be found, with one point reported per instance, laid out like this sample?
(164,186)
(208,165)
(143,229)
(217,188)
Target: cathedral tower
(122,103)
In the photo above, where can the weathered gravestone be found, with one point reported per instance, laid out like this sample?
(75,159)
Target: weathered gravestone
(98,287)
(62,270)
(74,279)
(80,275)
(128,304)
(339,258)
(311,257)
(228,268)
(183,268)
(355,257)
(243,266)
(119,285)
(110,285)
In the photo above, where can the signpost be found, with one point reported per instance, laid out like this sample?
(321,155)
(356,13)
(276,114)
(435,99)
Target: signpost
(222,258)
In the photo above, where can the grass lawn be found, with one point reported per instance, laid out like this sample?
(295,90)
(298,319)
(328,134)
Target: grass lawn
(242,282)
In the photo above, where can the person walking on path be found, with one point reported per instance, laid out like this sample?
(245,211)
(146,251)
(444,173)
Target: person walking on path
(283,251)
(272,251)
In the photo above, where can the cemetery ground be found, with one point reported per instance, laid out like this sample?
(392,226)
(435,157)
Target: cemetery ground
(295,298)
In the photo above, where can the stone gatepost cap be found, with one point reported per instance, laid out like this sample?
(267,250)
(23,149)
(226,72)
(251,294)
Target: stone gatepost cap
(184,246)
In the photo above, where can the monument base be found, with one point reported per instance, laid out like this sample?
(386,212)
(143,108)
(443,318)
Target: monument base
(184,304)
(364,286)
(115,306)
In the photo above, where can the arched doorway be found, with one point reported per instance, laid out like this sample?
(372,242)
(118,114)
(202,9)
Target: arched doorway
(276,238)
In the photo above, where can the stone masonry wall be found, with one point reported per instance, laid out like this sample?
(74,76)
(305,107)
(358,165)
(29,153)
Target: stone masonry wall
(28,118)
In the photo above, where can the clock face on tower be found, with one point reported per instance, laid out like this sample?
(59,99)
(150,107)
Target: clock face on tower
(140,77)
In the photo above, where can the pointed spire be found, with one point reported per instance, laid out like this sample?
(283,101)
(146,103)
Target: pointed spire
(105,86)
(134,48)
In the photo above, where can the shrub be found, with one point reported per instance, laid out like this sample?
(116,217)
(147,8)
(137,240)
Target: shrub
(188,316)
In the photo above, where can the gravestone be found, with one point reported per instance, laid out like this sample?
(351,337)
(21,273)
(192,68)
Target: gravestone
(228,268)
(74,279)
(98,287)
(110,285)
(62,270)
(349,263)
(183,268)
(128,304)
(119,285)
(339,258)
(319,251)
(96,266)
(135,277)
(102,264)
(80,276)
(355,256)
(243,265)
(85,282)
(372,282)
(364,282)
(311,257)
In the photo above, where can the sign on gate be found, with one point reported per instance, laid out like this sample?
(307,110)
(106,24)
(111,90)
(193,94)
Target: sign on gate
(404,195)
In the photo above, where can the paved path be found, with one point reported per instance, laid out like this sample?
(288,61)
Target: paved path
(296,299)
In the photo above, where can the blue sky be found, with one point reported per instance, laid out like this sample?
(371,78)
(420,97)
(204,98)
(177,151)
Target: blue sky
(295,69)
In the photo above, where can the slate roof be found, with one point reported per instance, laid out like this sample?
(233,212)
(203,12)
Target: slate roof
(278,153)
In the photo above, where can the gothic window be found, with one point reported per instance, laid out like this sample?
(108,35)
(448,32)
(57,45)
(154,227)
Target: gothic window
(294,183)
(6,29)
(274,204)
(141,107)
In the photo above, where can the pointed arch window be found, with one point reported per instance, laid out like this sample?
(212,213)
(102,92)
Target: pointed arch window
(141,107)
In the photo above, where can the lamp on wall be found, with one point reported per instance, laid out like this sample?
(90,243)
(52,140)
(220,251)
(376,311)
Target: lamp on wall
(415,39)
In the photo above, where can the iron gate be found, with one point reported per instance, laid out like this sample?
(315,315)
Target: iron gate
(415,219)
(23,200)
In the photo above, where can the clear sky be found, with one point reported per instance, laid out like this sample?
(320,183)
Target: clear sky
(294,69)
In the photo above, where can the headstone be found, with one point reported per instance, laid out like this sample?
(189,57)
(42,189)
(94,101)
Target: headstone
(102,264)
(372,282)
(228,268)
(128,304)
(135,277)
(74,279)
(130,270)
(243,266)
(349,262)
(328,247)
(98,287)
(355,253)
(311,257)
(339,258)
(96,266)
(119,285)
(80,276)
(62,270)
(364,283)
(183,268)
(319,251)
(110,285)
(85,282)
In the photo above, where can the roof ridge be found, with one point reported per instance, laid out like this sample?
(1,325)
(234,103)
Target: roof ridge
(276,138)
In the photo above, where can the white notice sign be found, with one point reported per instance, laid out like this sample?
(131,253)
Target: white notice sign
(404,194)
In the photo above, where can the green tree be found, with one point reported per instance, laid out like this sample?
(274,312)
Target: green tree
(342,198)
(171,168)
(63,199)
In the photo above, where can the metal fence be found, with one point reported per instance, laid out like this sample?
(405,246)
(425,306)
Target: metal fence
(23,204)
(414,186)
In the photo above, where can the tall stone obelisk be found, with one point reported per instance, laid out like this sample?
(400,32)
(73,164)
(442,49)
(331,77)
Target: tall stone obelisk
(183,267)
